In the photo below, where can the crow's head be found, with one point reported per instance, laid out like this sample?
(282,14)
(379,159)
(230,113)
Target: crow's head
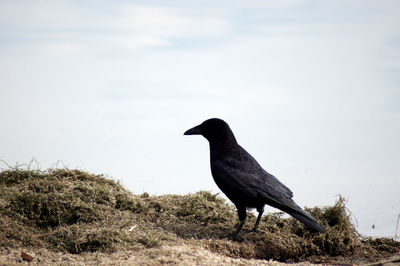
(214,130)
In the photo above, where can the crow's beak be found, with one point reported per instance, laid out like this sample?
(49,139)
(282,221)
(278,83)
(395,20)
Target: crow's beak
(197,130)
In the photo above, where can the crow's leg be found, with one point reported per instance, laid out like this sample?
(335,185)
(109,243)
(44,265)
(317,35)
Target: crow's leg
(260,213)
(242,217)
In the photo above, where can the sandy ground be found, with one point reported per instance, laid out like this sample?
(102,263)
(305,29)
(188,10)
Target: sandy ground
(182,254)
(172,254)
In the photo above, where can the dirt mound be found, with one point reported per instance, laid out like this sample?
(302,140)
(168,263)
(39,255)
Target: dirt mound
(74,211)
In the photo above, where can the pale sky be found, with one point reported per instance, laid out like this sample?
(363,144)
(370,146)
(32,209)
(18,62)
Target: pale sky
(310,88)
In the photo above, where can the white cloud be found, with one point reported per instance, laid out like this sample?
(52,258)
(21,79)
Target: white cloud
(272,3)
(150,19)
(68,27)
(163,24)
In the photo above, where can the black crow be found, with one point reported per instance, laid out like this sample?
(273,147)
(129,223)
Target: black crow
(243,180)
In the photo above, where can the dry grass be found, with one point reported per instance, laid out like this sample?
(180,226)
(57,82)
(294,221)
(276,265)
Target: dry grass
(73,211)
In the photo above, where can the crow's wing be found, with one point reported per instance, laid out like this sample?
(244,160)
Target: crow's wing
(242,179)
(238,171)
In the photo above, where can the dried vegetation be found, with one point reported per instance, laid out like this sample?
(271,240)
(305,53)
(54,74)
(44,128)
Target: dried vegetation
(74,211)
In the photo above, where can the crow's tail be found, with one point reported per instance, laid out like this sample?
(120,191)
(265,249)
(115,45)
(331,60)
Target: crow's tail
(308,220)
(289,206)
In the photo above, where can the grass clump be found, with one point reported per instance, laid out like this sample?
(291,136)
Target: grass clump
(78,238)
(75,211)
(62,209)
